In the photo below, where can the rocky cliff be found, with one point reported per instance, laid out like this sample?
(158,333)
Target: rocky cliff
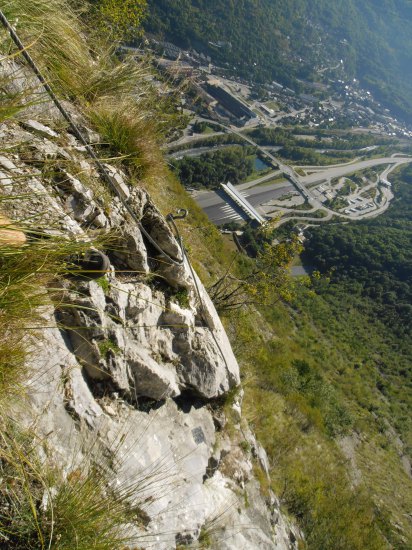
(133,371)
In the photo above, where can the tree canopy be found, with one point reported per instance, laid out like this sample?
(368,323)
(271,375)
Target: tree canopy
(287,41)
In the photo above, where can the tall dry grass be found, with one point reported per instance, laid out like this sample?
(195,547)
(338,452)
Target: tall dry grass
(41,509)
(57,39)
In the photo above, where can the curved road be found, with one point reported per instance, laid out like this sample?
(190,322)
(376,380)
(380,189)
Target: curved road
(345,169)
(300,182)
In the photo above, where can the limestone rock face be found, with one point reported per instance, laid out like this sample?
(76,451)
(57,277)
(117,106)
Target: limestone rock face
(129,370)
(166,452)
(144,344)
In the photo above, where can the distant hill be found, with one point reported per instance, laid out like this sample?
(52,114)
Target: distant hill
(286,41)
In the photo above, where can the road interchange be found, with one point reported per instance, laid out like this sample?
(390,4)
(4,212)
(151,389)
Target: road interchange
(260,193)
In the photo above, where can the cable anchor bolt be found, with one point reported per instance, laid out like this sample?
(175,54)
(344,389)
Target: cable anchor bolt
(181,214)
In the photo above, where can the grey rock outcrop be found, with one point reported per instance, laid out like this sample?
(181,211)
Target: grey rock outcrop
(163,452)
(130,367)
(145,344)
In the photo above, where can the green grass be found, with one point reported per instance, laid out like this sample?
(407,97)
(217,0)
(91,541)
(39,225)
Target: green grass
(257,174)
(316,214)
(25,273)
(338,203)
(272,105)
(103,284)
(108,345)
(208,130)
(278,179)
(181,296)
(303,206)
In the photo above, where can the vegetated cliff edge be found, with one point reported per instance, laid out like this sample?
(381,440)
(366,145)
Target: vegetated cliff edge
(132,373)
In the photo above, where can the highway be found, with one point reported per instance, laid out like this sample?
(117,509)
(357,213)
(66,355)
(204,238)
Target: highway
(337,171)
(219,213)
(191,138)
(198,151)
(301,182)
(261,179)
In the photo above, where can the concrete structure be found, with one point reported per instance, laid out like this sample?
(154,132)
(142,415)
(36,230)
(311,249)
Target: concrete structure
(242,203)
(267,111)
(229,101)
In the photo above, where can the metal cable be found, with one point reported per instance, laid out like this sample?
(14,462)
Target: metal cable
(171,219)
(107,178)
(101,168)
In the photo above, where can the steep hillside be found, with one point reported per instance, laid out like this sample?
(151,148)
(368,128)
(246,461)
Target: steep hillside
(121,423)
(127,417)
(288,41)
(370,262)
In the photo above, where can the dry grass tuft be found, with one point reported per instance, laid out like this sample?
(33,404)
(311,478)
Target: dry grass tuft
(27,274)
(128,127)
(58,41)
(39,509)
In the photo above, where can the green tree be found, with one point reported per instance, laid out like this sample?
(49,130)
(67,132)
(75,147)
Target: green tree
(122,18)
(267,282)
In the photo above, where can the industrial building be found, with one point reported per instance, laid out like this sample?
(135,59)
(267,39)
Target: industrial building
(229,102)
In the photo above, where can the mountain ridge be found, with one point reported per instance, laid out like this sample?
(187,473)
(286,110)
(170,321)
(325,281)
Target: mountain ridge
(292,41)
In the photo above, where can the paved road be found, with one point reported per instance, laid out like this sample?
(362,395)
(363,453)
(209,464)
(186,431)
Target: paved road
(191,139)
(336,171)
(384,205)
(198,151)
(300,183)
(220,211)
(343,170)
(257,181)
(265,193)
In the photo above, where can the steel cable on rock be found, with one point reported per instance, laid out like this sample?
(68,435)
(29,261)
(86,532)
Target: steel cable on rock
(107,178)
(101,168)
(182,213)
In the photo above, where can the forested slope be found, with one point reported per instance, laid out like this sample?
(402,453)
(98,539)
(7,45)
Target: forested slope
(336,373)
(288,40)
(370,268)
